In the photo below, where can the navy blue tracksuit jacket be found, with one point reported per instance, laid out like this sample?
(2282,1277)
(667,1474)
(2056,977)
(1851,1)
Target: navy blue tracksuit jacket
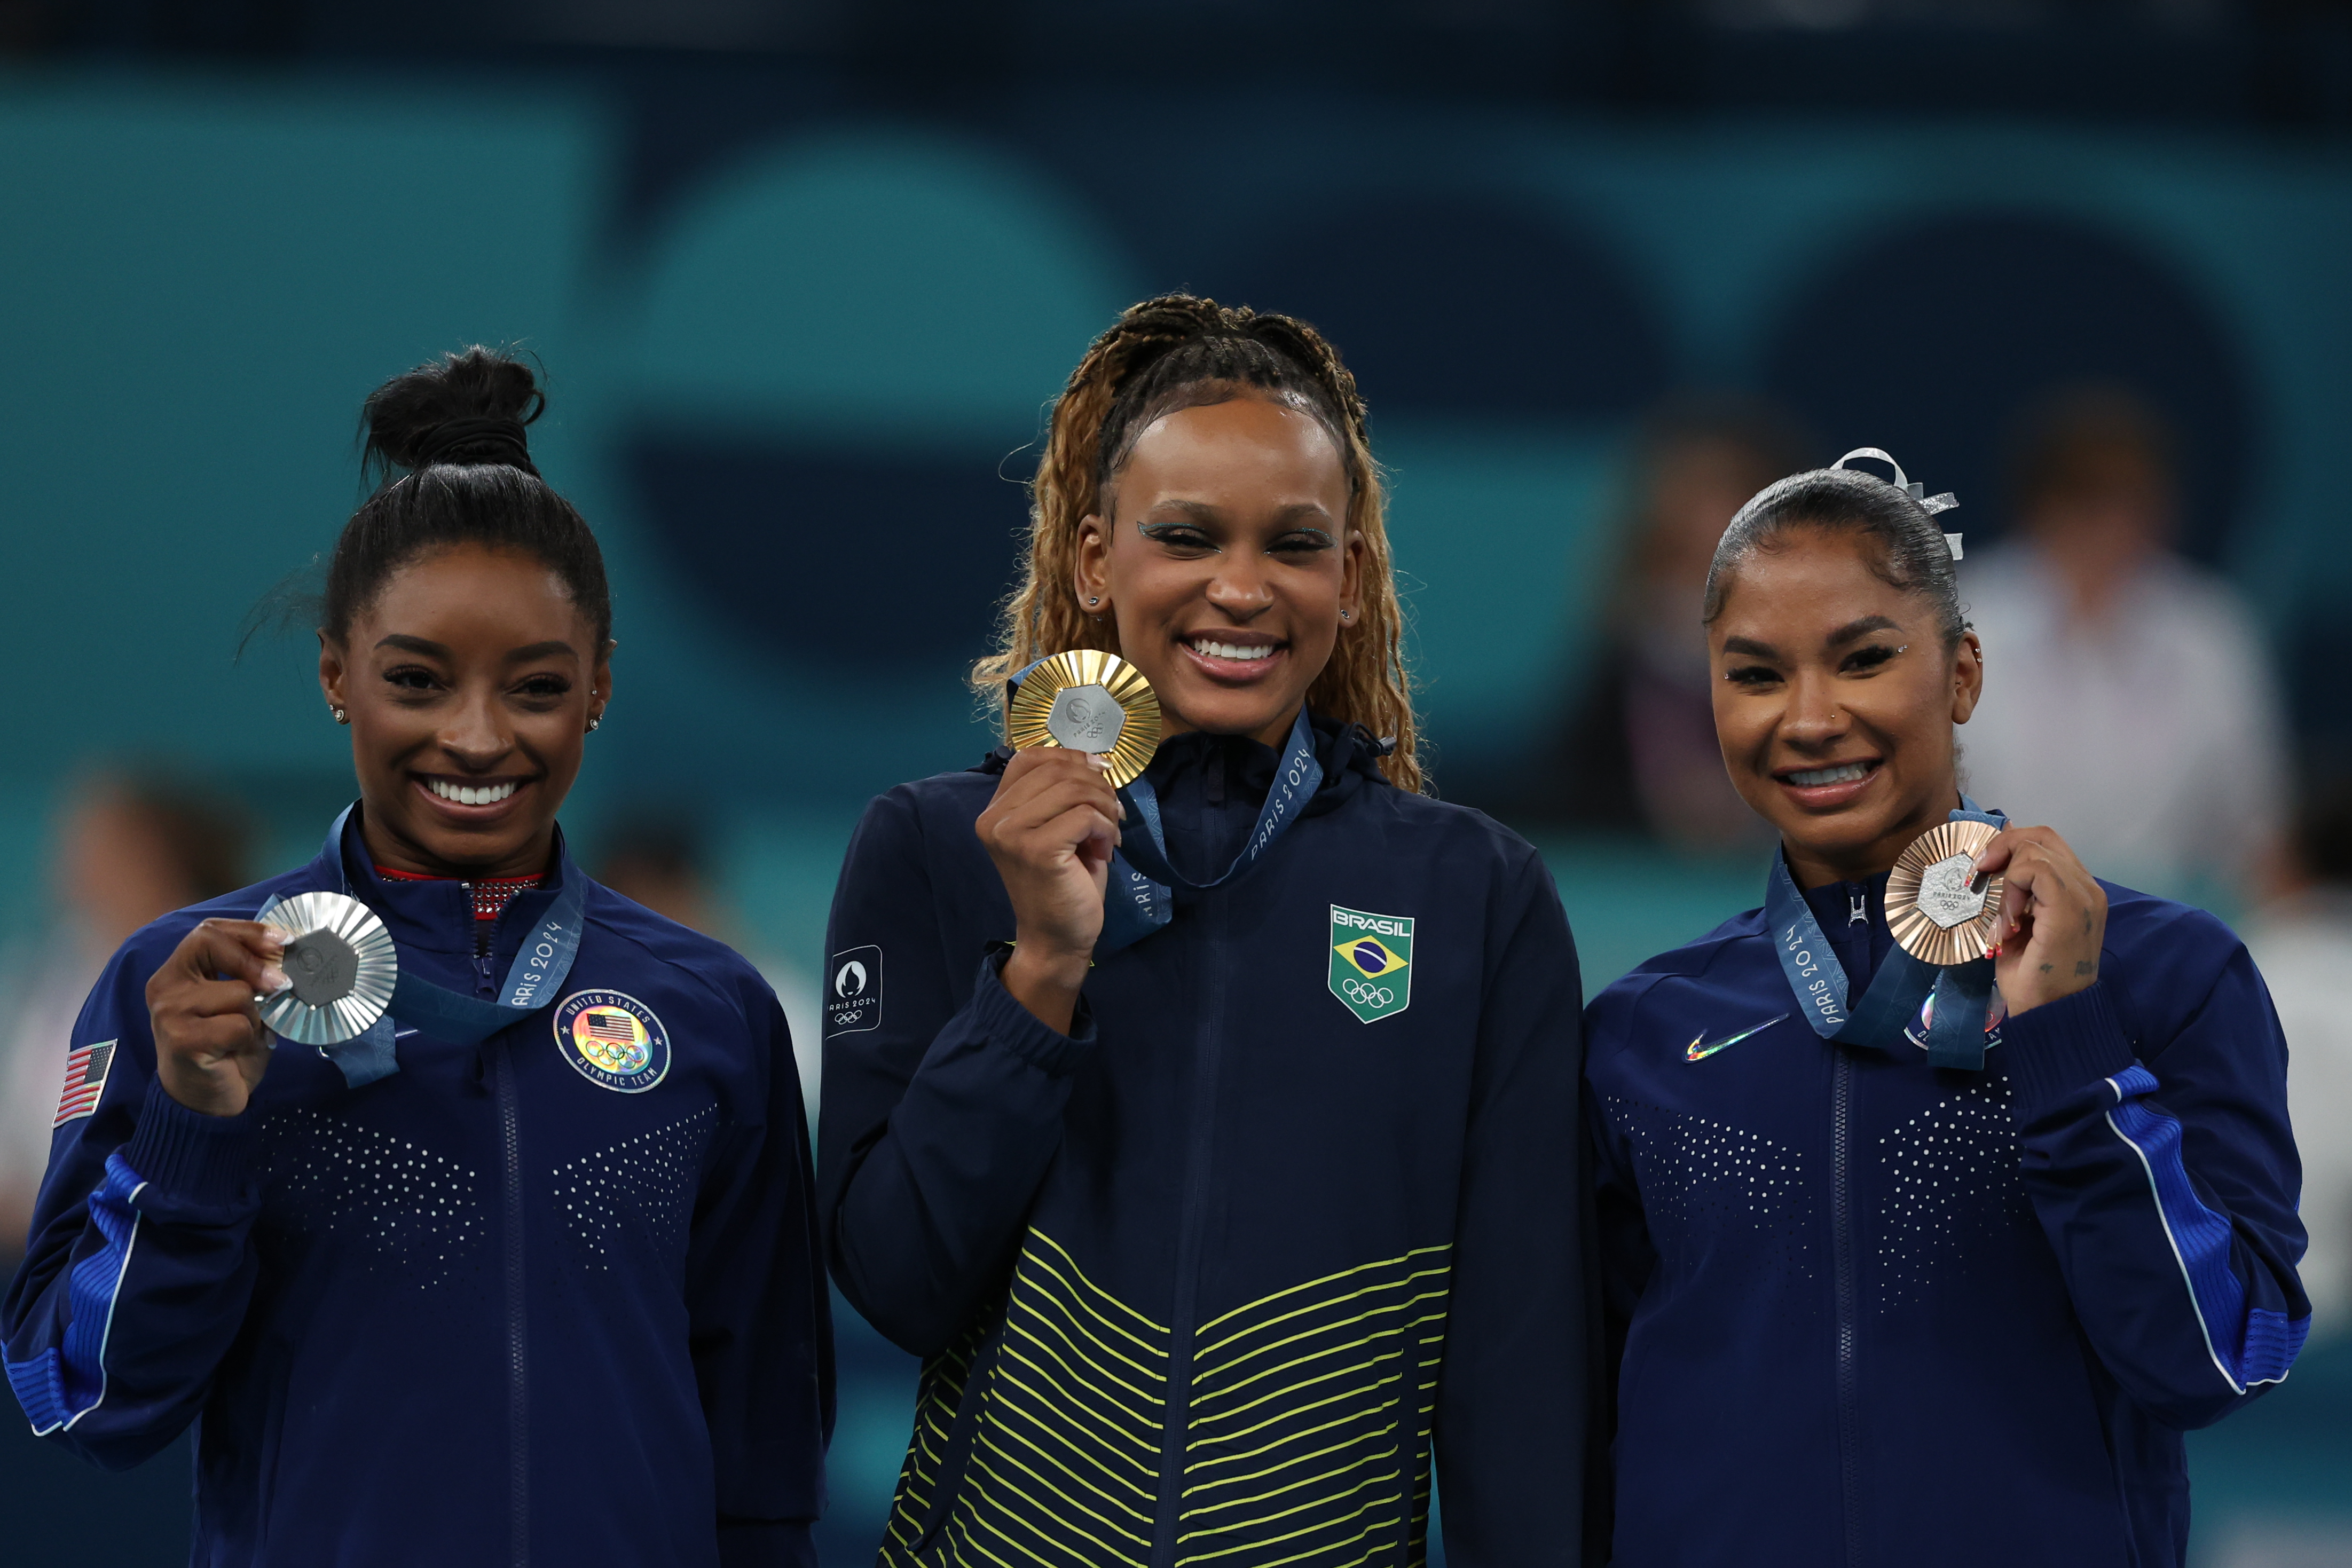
(1201,1282)
(486,1311)
(1875,1312)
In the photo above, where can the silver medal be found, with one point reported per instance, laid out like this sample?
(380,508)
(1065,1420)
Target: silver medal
(341,967)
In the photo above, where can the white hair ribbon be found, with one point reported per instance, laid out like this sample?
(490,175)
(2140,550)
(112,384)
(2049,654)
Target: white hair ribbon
(1917,492)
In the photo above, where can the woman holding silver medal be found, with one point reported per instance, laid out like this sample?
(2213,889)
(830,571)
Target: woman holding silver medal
(1198,1113)
(465,1201)
(1941,1194)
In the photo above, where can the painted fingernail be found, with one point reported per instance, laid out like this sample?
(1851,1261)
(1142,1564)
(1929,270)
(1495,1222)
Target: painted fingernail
(275,978)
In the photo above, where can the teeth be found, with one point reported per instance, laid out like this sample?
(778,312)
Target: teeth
(1843,773)
(471,795)
(1230,650)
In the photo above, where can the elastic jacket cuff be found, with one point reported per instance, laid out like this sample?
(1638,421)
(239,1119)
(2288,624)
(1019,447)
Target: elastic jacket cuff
(192,1159)
(2063,1047)
(1003,1020)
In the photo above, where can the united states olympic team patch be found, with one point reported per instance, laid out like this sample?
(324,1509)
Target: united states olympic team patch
(613,1040)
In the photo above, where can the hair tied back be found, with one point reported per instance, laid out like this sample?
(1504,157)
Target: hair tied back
(494,438)
(1943,502)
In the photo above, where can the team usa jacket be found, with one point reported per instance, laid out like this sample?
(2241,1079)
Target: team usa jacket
(1203,1281)
(1876,1312)
(494,1309)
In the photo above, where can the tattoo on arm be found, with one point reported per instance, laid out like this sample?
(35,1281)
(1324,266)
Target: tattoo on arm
(2084,966)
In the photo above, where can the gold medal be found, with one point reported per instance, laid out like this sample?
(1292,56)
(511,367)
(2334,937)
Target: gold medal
(1087,700)
(339,966)
(1935,912)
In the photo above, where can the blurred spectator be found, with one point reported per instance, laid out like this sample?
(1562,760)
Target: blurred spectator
(656,857)
(2129,701)
(128,848)
(1635,752)
(2303,941)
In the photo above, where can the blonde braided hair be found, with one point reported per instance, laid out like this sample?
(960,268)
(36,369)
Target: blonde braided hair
(1199,345)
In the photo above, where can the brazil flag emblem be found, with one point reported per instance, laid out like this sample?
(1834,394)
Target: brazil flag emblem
(1372,962)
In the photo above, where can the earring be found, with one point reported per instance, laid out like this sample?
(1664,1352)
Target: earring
(1345,613)
(1094,601)
(594,722)
(341,716)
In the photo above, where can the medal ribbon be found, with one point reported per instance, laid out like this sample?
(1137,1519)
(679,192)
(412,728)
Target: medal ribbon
(1962,992)
(1140,900)
(530,984)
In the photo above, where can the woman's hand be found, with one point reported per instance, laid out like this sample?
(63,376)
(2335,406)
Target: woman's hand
(2054,916)
(211,1046)
(1051,830)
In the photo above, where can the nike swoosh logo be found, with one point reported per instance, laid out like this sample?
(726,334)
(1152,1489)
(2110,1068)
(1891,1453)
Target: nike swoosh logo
(1698,1052)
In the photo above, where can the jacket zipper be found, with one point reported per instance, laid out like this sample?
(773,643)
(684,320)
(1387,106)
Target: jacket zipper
(517,1386)
(1842,1223)
(1207,1039)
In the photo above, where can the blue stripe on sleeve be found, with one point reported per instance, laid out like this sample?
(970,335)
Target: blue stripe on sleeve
(2250,1346)
(60,1385)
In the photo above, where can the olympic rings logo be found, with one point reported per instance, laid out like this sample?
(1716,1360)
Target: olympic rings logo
(1370,996)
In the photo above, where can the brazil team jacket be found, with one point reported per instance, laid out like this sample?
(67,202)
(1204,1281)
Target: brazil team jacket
(1876,1312)
(490,1310)
(1200,1281)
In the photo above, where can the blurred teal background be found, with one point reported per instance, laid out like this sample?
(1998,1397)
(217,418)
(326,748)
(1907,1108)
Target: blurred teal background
(795,384)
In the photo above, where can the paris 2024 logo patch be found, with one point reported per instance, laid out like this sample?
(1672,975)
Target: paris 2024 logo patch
(613,1039)
(1372,962)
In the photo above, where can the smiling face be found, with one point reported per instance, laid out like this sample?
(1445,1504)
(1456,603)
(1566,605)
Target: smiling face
(1834,702)
(470,681)
(1227,560)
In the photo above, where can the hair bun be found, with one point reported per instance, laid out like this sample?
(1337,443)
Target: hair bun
(468,408)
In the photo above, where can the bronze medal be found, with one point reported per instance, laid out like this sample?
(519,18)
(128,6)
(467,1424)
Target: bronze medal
(1087,700)
(1936,913)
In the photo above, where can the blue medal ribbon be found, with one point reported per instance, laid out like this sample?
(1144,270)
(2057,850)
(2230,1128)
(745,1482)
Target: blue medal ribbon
(1962,992)
(1139,898)
(531,983)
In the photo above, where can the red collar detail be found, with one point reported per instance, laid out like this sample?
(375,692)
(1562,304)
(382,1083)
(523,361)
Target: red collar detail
(492,894)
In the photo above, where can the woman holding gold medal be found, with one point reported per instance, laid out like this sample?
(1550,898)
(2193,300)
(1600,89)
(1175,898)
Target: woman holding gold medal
(1939,1194)
(1203,1114)
(465,1201)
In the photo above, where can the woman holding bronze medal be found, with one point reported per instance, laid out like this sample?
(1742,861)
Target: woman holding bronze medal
(466,1201)
(1202,1114)
(1939,1194)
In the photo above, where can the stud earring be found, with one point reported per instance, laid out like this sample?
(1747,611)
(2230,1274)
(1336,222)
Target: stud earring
(594,722)
(1345,613)
(341,716)
(1094,601)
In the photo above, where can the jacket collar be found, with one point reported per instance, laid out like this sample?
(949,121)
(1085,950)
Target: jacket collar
(430,916)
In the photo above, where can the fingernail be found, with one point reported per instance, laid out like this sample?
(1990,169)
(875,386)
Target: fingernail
(274,940)
(274,979)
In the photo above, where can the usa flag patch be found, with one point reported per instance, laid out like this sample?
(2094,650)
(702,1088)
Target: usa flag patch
(86,1071)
